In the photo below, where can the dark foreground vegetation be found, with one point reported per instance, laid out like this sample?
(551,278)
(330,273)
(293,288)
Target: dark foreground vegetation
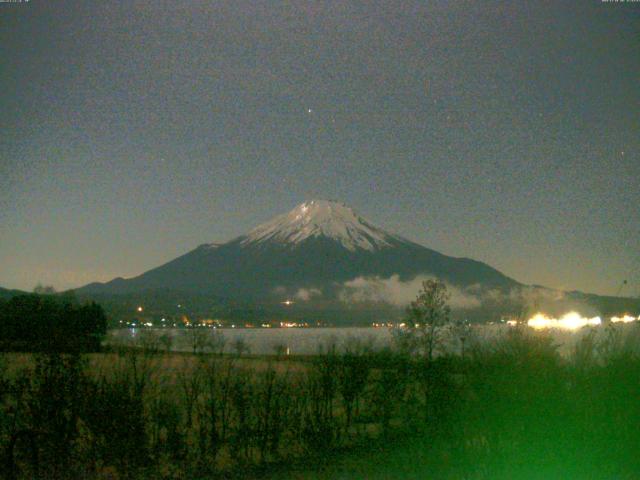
(510,408)
(50,323)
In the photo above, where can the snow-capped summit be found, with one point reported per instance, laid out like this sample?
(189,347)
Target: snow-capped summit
(319,246)
(322,218)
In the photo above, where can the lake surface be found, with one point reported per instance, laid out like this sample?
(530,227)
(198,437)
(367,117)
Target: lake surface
(308,341)
(261,341)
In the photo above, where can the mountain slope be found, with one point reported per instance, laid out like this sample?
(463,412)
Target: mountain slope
(318,245)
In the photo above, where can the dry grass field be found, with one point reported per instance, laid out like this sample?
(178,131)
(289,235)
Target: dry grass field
(514,408)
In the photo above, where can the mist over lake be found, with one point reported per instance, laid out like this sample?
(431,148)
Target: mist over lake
(308,341)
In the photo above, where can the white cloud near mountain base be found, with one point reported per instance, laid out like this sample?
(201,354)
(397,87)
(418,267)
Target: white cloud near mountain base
(394,291)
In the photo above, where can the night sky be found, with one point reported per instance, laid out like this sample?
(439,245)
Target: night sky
(508,132)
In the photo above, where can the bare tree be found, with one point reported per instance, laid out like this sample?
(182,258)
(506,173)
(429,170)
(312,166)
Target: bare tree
(280,349)
(149,341)
(197,338)
(426,316)
(216,342)
(191,384)
(460,335)
(166,341)
(240,346)
(44,289)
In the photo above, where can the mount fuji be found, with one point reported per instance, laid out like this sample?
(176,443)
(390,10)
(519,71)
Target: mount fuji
(316,249)
(322,260)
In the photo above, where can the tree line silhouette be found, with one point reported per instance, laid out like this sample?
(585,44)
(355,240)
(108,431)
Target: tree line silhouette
(46,322)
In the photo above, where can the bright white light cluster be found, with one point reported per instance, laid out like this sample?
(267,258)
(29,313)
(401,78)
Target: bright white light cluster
(624,319)
(572,321)
(569,321)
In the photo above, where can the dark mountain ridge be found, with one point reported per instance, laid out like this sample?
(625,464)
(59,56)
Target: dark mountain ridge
(248,269)
(319,250)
